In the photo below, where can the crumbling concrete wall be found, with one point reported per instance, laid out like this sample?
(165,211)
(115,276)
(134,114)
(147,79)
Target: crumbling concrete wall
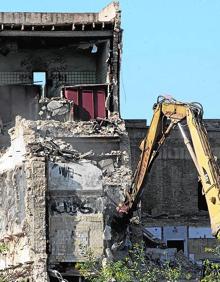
(23,186)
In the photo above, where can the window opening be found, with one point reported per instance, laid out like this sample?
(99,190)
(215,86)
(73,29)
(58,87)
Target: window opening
(178,244)
(39,78)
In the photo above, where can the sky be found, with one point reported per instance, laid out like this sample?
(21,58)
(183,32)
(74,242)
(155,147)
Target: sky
(170,47)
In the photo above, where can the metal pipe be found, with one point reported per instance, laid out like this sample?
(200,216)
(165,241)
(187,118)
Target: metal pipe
(189,147)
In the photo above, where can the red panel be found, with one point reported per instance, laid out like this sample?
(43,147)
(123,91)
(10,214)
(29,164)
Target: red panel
(100,104)
(72,95)
(87,104)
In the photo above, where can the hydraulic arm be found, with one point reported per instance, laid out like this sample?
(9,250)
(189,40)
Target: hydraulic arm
(169,113)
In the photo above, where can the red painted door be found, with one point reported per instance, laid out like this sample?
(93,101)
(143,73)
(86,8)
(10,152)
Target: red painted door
(72,95)
(87,105)
(100,104)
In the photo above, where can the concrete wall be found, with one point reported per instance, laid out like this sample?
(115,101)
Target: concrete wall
(102,62)
(19,100)
(71,231)
(74,58)
(69,64)
(22,210)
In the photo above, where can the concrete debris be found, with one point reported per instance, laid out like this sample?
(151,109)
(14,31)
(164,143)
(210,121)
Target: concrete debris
(186,264)
(160,257)
(151,241)
(57,108)
(107,233)
(121,176)
(107,165)
(17,272)
(114,124)
(54,107)
(117,245)
(109,254)
(50,148)
(54,128)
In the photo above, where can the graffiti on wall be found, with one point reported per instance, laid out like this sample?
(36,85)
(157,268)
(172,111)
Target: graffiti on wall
(70,207)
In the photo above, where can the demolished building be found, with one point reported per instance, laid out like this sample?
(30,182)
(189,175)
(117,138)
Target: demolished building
(64,149)
(65,153)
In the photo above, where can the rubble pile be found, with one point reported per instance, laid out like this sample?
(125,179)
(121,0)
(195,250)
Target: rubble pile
(121,176)
(100,127)
(186,265)
(59,149)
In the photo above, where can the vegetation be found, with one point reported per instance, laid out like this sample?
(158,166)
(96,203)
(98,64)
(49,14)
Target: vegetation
(212,268)
(3,248)
(136,268)
(133,268)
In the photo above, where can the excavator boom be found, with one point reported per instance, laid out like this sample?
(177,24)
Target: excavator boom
(169,113)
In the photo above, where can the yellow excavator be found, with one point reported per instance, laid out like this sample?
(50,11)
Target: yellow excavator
(169,113)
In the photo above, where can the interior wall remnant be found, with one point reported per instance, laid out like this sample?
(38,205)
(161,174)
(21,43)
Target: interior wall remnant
(71,58)
(19,100)
(103,57)
(16,100)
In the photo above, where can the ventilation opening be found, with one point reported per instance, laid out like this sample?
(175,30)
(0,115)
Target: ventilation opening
(202,205)
(178,244)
